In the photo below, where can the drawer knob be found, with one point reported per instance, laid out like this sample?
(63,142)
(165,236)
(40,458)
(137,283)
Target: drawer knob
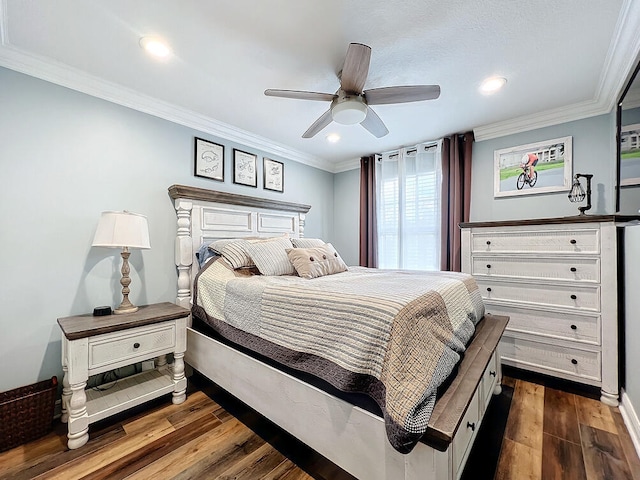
(488,289)
(472,426)
(573,297)
(574,269)
(136,345)
(573,241)
(488,265)
(573,327)
(574,361)
(492,373)
(488,242)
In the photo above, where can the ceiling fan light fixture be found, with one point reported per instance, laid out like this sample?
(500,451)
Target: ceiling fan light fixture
(349,112)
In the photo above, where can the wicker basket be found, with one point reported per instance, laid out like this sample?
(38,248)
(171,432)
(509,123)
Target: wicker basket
(26,413)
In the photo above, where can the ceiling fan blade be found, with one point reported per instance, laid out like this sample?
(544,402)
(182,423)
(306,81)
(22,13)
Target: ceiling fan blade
(404,94)
(300,95)
(373,123)
(356,68)
(324,120)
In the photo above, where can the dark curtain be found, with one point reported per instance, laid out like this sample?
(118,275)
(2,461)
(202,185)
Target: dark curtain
(456,196)
(368,229)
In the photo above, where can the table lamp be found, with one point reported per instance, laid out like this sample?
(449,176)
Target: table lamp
(123,230)
(578,194)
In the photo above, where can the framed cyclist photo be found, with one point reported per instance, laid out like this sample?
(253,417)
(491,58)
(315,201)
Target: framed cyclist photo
(542,167)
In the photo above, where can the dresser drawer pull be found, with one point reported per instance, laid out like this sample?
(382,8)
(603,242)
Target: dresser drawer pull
(574,269)
(136,345)
(488,265)
(472,426)
(488,242)
(573,297)
(492,373)
(488,289)
(573,327)
(573,241)
(574,361)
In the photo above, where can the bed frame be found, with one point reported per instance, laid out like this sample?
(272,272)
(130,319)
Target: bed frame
(349,436)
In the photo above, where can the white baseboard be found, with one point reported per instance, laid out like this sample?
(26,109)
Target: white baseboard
(630,420)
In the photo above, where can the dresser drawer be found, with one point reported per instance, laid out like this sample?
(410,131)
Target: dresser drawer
(548,323)
(580,297)
(575,269)
(120,347)
(466,432)
(580,240)
(555,359)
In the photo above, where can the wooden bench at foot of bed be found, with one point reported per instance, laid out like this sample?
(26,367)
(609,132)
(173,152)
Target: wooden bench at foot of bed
(353,438)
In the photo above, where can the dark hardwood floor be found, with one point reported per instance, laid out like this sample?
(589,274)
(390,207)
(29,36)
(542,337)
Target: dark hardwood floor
(532,430)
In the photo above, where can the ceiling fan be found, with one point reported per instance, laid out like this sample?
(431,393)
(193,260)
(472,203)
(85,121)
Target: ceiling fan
(351,104)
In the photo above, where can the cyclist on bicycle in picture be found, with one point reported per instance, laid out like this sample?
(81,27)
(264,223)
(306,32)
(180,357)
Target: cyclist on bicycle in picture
(529,160)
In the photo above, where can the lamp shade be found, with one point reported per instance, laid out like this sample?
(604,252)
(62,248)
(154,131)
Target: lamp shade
(122,229)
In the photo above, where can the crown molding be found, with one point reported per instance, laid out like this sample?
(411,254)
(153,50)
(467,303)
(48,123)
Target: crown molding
(63,75)
(346,165)
(620,61)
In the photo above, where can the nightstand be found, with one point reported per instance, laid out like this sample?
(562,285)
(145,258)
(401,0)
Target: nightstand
(92,345)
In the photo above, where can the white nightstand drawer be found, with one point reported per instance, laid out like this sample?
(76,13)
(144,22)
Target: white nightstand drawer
(570,362)
(584,328)
(581,297)
(576,269)
(128,345)
(579,240)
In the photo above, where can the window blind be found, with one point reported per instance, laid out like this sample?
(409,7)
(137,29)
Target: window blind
(408,208)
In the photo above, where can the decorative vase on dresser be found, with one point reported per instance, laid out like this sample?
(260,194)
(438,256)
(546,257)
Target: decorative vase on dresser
(557,279)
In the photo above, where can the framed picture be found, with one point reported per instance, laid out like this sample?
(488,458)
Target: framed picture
(541,167)
(273,175)
(244,168)
(209,160)
(630,154)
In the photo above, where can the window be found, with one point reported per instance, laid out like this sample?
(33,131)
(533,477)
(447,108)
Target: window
(408,207)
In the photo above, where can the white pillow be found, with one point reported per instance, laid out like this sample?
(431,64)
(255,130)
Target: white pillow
(307,242)
(270,257)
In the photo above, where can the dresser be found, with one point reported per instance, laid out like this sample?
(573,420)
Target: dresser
(557,280)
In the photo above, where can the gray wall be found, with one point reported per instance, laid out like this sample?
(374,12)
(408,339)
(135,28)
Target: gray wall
(346,215)
(632,322)
(64,158)
(593,152)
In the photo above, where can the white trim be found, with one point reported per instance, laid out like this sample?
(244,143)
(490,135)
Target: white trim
(620,61)
(630,419)
(66,76)
(346,165)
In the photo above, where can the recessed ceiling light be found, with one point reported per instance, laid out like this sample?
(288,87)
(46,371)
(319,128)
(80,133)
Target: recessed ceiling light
(492,85)
(155,46)
(333,137)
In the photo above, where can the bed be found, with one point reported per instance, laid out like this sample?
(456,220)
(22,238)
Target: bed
(348,435)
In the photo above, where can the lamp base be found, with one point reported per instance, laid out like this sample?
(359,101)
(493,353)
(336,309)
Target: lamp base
(120,311)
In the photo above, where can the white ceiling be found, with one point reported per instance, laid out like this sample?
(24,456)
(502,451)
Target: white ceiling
(563,60)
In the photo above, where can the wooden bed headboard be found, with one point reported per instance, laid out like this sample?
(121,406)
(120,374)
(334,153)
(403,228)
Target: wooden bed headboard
(207,215)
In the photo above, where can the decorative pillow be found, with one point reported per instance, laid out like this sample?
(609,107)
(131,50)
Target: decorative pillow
(231,249)
(270,257)
(307,242)
(316,262)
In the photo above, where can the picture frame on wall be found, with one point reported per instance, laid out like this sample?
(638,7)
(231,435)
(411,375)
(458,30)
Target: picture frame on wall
(244,168)
(273,175)
(552,168)
(630,155)
(208,160)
